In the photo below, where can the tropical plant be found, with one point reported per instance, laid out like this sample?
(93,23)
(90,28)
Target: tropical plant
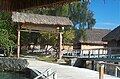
(6,43)
(7,33)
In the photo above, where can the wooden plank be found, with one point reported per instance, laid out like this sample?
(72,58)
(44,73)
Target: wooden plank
(45,28)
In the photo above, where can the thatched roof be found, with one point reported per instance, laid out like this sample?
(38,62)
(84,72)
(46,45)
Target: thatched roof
(41,19)
(113,35)
(15,5)
(95,36)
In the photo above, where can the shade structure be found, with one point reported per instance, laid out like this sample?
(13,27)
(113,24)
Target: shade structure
(15,5)
(41,23)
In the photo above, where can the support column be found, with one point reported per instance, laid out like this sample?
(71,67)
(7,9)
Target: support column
(18,46)
(60,46)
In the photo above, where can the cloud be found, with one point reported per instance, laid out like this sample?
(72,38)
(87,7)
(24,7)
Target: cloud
(108,23)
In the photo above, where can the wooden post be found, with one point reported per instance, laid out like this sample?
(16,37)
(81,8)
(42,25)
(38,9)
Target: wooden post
(55,75)
(101,71)
(98,53)
(116,71)
(60,46)
(18,46)
(48,73)
(89,53)
(109,52)
(84,64)
(93,65)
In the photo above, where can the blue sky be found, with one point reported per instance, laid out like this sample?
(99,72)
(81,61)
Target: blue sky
(106,14)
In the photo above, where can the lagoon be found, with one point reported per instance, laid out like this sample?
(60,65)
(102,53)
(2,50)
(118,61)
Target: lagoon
(12,75)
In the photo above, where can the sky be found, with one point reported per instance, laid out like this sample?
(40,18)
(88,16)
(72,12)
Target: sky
(106,13)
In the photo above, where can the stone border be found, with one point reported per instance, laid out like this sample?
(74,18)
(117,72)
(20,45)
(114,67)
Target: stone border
(12,64)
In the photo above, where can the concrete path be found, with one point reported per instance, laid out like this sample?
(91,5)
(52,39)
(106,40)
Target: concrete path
(67,72)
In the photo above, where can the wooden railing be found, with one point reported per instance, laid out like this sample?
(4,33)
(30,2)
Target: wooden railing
(47,74)
(102,69)
(94,53)
(116,70)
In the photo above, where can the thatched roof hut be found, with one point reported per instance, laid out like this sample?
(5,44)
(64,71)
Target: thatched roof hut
(95,36)
(113,35)
(41,19)
(15,5)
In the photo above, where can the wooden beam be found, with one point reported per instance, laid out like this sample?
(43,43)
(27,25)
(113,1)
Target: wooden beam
(30,31)
(37,31)
(44,28)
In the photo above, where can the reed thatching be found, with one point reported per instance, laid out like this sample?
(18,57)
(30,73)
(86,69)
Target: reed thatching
(41,19)
(95,36)
(15,5)
(113,35)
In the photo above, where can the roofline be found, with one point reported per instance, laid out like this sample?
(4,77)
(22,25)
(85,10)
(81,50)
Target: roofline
(47,20)
(105,37)
(93,42)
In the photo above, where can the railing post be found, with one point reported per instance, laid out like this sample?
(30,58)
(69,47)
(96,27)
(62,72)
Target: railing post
(93,65)
(81,54)
(55,76)
(109,53)
(98,53)
(48,73)
(89,54)
(101,71)
(116,71)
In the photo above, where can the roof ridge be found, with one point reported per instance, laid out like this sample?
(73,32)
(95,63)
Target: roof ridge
(98,29)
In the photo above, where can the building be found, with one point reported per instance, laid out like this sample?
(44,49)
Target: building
(94,39)
(113,39)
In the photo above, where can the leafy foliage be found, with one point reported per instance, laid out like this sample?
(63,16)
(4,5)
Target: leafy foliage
(68,36)
(80,15)
(48,38)
(5,42)
(7,33)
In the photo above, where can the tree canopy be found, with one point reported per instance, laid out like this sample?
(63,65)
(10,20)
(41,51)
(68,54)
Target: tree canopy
(78,12)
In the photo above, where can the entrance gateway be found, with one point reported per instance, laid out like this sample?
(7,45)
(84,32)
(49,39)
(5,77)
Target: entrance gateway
(18,5)
(37,23)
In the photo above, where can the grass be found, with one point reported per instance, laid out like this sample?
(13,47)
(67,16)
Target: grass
(47,58)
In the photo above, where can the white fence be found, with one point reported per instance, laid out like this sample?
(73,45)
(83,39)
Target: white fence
(113,52)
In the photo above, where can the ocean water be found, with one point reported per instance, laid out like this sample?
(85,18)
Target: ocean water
(12,75)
